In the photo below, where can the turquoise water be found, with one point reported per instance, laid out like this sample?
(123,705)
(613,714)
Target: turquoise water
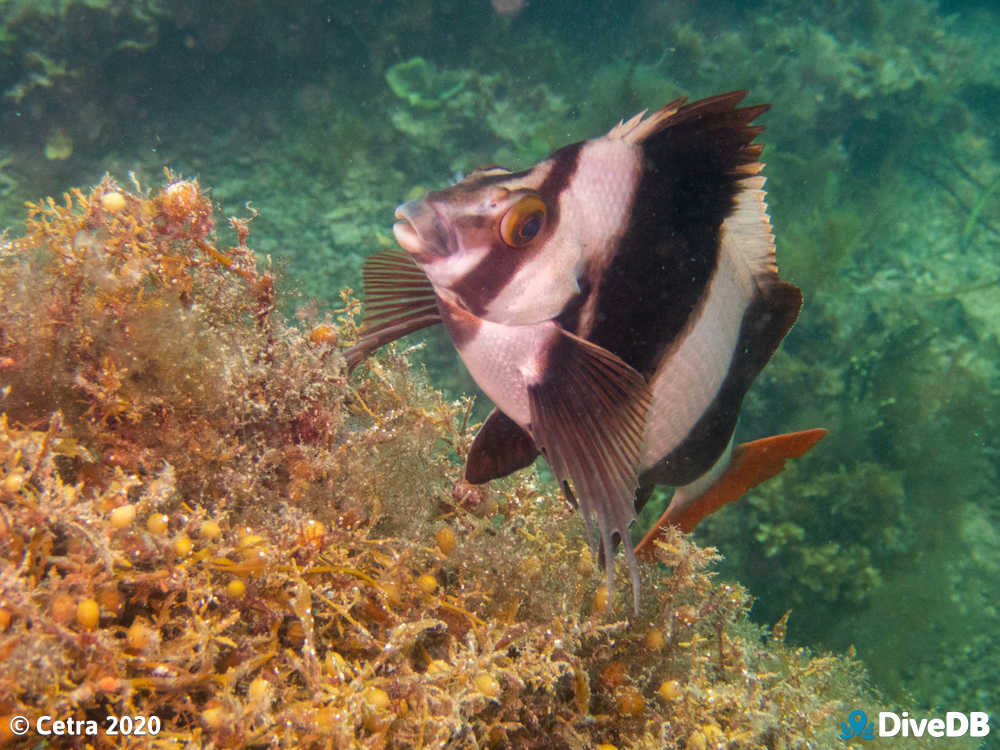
(883,152)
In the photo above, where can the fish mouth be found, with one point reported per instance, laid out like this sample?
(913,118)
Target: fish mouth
(405,229)
(420,230)
(406,235)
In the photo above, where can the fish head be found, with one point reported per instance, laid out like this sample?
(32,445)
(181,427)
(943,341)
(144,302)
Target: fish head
(494,244)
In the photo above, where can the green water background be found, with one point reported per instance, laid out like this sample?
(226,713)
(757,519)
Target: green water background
(883,153)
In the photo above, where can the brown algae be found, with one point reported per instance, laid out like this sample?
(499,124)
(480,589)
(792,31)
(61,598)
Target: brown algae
(203,519)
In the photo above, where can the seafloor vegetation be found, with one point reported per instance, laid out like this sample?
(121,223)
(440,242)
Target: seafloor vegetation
(883,156)
(204,520)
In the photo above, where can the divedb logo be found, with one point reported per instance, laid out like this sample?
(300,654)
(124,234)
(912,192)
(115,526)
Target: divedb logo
(954,724)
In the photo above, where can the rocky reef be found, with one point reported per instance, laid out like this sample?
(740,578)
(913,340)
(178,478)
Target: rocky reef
(204,520)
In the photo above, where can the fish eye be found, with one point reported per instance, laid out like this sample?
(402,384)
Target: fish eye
(523,221)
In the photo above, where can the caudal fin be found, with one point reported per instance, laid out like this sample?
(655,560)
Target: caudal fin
(751,464)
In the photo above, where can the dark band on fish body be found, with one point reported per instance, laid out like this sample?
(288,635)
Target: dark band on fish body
(765,322)
(565,161)
(487,278)
(670,248)
(480,286)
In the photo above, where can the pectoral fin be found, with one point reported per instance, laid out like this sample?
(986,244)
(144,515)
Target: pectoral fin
(588,413)
(749,465)
(398,298)
(500,447)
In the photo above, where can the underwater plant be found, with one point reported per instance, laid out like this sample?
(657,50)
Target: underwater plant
(421,84)
(204,520)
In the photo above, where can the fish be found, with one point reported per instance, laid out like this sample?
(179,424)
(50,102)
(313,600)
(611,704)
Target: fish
(615,302)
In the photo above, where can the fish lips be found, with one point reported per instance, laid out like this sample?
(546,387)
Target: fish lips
(421,231)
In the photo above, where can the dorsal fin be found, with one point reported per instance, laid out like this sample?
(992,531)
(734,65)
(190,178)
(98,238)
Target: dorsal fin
(641,127)
(637,127)
(747,235)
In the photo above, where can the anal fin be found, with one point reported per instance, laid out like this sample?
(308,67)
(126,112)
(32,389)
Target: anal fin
(750,464)
(588,414)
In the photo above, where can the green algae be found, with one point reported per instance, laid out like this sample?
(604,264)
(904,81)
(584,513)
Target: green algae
(421,84)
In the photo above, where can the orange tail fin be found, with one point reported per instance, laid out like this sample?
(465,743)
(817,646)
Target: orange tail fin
(750,464)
